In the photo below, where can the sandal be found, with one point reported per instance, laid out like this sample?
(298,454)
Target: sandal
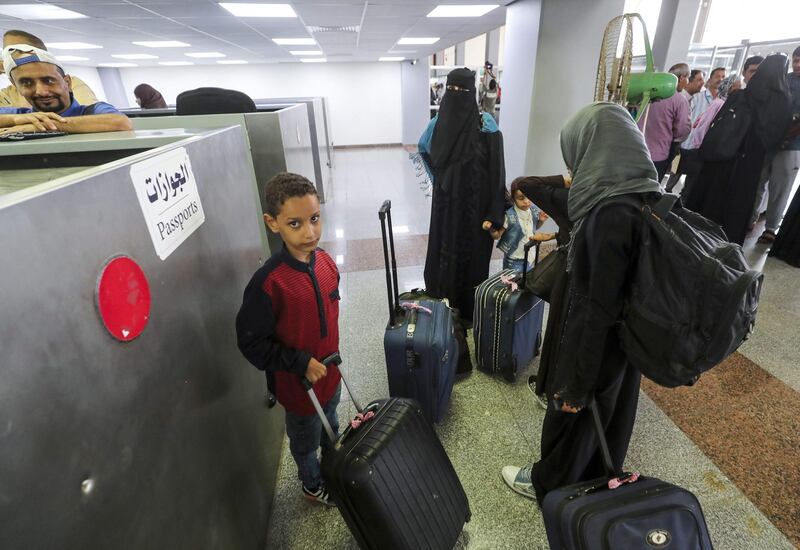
(767,237)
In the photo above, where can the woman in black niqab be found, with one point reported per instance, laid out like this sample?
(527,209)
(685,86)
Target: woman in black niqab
(464,153)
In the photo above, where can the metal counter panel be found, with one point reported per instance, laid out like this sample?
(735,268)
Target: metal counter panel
(171,428)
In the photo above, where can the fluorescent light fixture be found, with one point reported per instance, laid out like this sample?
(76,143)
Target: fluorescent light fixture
(340,233)
(402,51)
(162,44)
(71,58)
(38,11)
(72,46)
(401,229)
(134,56)
(313,60)
(117,65)
(391,58)
(340,259)
(295,41)
(204,55)
(232,62)
(175,63)
(305,52)
(259,10)
(419,40)
(462,11)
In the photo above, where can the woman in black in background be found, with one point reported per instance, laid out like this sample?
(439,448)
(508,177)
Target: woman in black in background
(608,158)
(725,191)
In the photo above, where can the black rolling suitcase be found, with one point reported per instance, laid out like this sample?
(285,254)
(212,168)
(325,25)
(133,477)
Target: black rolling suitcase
(420,342)
(507,323)
(391,478)
(625,511)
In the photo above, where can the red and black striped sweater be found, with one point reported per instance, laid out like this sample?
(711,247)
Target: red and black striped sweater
(290,313)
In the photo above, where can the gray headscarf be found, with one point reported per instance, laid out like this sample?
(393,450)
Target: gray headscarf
(724,87)
(608,157)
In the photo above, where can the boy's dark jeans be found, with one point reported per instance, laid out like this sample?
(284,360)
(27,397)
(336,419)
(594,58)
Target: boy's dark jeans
(306,434)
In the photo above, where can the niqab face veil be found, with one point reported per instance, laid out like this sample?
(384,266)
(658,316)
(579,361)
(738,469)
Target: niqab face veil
(458,124)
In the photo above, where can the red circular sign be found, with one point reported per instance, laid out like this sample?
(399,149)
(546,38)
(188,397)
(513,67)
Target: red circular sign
(123,298)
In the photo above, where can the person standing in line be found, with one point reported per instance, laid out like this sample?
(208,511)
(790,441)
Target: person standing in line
(726,190)
(608,159)
(750,68)
(666,122)
(695,91)
(785,163)
(463,152)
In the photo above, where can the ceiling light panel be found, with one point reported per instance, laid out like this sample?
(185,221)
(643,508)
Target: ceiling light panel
(259,10)
(204,55)
(71,46)
(175,63)
(305,52)
(232,62)
(391,58)
(418,40)
(295,41)
(130,56)
(313,60)
(462,11)
(30,12)
(117,65)
(162,44)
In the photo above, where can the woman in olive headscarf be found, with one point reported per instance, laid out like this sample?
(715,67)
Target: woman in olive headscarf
(725,191)
(608,158)
(463,152)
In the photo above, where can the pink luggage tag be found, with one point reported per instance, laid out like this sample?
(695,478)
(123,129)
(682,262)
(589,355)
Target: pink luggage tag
(415,305)
(360,419)
(508,281)
(613,483)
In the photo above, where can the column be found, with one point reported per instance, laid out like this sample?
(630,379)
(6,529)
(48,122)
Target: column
(493,47)
(112,84)
(549,73)
(460,54)
(415,98)
(673,35)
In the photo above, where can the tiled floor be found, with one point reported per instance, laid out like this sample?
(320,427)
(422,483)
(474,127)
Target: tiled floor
(492,423)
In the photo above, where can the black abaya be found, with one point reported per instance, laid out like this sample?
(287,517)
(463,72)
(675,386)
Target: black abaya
(787,245)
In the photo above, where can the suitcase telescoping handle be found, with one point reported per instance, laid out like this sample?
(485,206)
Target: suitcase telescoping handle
(528,246)
(615,477)
(332,359)
(385,215)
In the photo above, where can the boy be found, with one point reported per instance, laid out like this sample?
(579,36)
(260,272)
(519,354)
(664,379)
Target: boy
(289,319)
(521,222)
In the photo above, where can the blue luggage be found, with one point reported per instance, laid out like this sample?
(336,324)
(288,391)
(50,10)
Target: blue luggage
(419,342)
(623,510)
(507,322)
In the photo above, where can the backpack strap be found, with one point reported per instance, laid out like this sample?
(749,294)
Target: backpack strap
(665,204)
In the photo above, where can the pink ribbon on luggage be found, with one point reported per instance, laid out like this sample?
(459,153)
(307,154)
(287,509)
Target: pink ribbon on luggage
(360,419)
(508,281)
(619,481)
(415,305)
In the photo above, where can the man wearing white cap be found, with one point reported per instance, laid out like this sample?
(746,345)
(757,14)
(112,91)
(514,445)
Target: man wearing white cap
(42,82)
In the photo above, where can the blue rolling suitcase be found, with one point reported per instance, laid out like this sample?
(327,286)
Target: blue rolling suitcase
(420,342)
(623,510)
(507,322)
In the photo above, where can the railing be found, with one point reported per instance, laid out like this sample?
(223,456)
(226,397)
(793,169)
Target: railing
(732,57)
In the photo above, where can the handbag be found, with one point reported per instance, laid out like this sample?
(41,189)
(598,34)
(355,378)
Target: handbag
(541,279)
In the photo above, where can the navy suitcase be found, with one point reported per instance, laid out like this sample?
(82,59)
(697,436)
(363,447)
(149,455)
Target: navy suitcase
(419,342)
(507,323)
(392,480)
(623,510)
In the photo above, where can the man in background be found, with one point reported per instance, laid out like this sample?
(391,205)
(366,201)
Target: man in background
(750,67)
(10,97)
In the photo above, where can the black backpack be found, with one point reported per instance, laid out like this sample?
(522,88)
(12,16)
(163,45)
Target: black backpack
(693,299)
(727,132)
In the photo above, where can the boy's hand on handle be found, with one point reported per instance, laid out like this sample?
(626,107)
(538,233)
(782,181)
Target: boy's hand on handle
(315,371)
(541,237)
(543,217)
(487,225)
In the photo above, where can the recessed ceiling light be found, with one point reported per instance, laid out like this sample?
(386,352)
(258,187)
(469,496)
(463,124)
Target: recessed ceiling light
(411,40)
(134,56)
(115,65)
(38,11)
(295,41)
(259,10)
(305,52)
(313,60)
(462,11)
(162,44)
(175,63)
(403,51)
(71,58)
(204,55)
(232,62)
(391,58)
(72,46)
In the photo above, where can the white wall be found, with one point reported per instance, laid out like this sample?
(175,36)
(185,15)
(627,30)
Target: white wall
(364,98)
(416,99)
(475,51)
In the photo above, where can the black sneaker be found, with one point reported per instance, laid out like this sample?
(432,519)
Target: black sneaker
(319,495)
